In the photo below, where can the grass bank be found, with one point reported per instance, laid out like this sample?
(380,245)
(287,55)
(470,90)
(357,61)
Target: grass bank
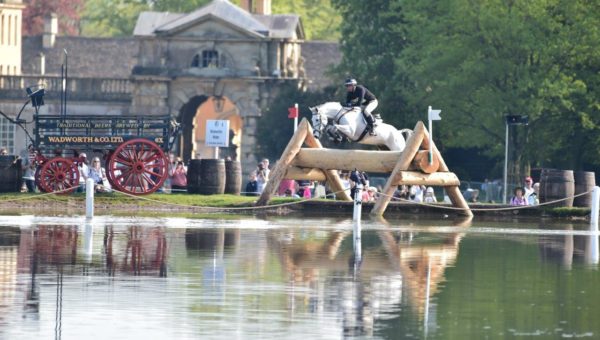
(119,204)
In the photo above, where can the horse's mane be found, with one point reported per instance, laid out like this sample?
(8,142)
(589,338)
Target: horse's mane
(333,105)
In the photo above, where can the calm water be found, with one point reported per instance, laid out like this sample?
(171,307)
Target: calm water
(295,278)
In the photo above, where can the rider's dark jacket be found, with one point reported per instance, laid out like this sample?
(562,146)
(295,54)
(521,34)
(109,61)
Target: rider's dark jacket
(360,96)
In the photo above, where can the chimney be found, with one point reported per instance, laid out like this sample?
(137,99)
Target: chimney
(257,6)
(50,30)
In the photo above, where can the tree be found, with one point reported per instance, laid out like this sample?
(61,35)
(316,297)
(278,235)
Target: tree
(320,19)
(479,61)
(275,128)
(118,17)
(370,44)
(110,18)
(180,6)
(68,12)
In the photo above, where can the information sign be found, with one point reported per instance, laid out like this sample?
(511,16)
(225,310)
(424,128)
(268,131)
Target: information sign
(217,133)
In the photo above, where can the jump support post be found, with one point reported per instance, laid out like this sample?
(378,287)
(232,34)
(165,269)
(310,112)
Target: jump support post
(406,167)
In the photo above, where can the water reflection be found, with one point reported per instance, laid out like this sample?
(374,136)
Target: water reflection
(272,283)
(569,248)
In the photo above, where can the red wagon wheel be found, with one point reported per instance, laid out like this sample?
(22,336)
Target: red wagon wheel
(137,167)
(58,174)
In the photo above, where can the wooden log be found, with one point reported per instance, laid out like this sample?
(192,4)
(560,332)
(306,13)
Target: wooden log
(421,162)
(458,200)
(363,160)
(418,178)
(412,146)
(296,173)
(284,161)
(436,152)
(453,192)
(333,178)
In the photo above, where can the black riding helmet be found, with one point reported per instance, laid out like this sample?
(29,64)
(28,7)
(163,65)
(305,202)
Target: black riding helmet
(350,81)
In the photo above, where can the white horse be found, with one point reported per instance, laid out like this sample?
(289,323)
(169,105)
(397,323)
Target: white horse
(350,122)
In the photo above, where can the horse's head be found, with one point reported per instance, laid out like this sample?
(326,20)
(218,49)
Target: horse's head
(319,120)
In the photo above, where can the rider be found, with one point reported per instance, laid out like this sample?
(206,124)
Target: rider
(360,96)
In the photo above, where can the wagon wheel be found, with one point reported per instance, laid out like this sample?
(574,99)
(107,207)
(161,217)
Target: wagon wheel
(137,167)
(37,178)
(58,174)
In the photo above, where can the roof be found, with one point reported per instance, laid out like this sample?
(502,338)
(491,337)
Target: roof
(319,56)
(221,9)
(147,22)
(88,57)
(282,25)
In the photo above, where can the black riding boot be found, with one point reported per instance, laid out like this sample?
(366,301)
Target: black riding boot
(370,124)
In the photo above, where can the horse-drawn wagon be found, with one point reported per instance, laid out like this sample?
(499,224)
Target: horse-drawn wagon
(134,149)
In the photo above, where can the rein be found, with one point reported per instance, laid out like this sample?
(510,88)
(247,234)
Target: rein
(339,116)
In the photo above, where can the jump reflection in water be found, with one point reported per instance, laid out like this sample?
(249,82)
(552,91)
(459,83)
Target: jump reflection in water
(413,268)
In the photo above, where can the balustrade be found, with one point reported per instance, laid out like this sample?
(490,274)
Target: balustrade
(84,89)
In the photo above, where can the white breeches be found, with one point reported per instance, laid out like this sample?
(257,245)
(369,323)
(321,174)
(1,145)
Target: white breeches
(371,107)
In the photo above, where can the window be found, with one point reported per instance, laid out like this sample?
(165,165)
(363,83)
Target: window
(2,31)
(196,61)
(7,135)
(210,58)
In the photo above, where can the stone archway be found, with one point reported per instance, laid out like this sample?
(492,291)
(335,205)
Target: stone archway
(193,117)
(186,119)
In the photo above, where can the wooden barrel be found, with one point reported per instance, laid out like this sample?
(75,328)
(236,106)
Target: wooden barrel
(557,184)
(11,174)
(194,176)
(213,177)
(233,177)
(584,181)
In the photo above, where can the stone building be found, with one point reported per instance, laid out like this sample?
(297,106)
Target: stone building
(220,61)
(10,36)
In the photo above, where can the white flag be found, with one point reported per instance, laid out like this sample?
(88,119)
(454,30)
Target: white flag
(434,114)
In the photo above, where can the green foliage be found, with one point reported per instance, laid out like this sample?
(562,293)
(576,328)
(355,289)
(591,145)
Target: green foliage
(320,19)
(275,129)
(567,212)
(110,18)
(118,17)
(180,6)
(370,43)
(481,60)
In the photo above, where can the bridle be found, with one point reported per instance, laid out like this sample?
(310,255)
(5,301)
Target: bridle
(317,123)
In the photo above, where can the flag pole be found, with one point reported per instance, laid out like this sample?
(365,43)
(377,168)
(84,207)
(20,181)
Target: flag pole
(296,117)
(430,136)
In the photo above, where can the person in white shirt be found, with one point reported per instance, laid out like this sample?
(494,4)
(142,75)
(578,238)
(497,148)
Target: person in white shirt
(528,187)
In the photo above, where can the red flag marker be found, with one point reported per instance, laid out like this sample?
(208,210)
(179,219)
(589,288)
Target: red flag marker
(292,112)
